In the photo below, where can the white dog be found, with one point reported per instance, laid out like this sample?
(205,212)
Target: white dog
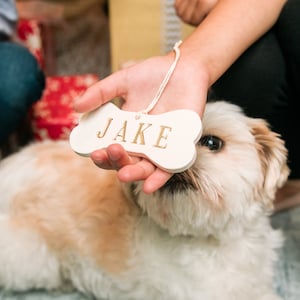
(204,235)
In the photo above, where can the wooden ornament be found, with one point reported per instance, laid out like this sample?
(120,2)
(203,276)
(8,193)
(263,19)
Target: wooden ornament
(167,140)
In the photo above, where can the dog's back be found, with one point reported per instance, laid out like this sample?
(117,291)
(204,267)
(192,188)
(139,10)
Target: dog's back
(63,220)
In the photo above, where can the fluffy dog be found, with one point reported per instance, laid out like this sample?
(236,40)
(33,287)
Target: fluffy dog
(204,235)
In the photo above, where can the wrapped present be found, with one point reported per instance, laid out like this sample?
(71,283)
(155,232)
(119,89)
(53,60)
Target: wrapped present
(53,116)
(29,33)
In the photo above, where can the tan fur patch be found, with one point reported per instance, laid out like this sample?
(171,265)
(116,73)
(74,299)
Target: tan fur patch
(75,205)
(272,153)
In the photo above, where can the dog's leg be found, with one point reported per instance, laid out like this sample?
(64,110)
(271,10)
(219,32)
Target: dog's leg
(25,260)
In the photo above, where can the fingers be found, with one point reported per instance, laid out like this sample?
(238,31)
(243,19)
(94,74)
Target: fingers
(139,171)
(130,168)
(154,178)
(155,181)
(186,10)
(181,6)
(101,92)
(193,12)
(114,157)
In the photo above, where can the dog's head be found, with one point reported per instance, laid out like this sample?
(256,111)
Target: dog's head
(240,165)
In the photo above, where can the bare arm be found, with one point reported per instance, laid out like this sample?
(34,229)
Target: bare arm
(224,34)
(228,30)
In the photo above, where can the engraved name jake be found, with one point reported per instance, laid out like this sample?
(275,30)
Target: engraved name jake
(138,136)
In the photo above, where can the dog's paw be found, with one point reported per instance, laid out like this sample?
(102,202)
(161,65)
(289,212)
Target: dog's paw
(168,139)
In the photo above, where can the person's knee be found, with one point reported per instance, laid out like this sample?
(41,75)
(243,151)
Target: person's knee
(21,79)
(21,84)
(257,80)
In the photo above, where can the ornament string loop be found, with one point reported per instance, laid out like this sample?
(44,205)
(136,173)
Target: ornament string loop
(165,80)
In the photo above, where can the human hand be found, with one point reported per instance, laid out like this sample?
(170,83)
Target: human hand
(193,11)
(137,85)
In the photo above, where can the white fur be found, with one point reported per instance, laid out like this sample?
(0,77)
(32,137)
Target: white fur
(209,240)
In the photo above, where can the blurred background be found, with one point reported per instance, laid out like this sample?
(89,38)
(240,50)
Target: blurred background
(75,33)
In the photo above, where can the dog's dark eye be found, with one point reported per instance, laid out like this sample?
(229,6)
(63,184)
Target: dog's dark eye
(212,142)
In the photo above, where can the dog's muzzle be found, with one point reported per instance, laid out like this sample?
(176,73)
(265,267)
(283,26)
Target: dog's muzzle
(181,182)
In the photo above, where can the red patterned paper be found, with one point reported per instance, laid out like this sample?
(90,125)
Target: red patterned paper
(53,116)
(29,33)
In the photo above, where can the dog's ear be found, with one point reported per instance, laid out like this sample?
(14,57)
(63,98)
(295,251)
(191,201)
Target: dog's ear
(273,157)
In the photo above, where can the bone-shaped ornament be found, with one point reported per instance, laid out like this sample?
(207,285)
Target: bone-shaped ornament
(167,140)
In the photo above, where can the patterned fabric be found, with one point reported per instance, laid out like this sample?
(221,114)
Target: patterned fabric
(53,116)
(29,32)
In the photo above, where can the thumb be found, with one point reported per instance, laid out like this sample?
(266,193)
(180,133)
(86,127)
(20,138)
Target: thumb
(102,92)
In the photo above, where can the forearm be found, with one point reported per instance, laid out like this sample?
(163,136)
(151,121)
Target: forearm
(230,28)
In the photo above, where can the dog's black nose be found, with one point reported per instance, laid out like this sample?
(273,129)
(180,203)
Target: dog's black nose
(180,182)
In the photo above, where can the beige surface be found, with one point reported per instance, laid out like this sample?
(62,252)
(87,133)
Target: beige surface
(136,30)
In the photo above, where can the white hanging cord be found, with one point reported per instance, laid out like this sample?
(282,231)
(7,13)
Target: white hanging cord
(165,81)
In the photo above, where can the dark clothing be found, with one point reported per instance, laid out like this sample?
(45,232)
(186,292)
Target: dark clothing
(21,84)
(265,81)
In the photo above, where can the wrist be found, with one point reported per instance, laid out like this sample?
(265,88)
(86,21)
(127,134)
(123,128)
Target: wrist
(190,80)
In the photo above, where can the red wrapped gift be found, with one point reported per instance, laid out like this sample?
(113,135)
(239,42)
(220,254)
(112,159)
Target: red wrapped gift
(53,116)
(29,32)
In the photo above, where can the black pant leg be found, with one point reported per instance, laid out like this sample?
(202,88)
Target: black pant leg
(288,34)
(258,82)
